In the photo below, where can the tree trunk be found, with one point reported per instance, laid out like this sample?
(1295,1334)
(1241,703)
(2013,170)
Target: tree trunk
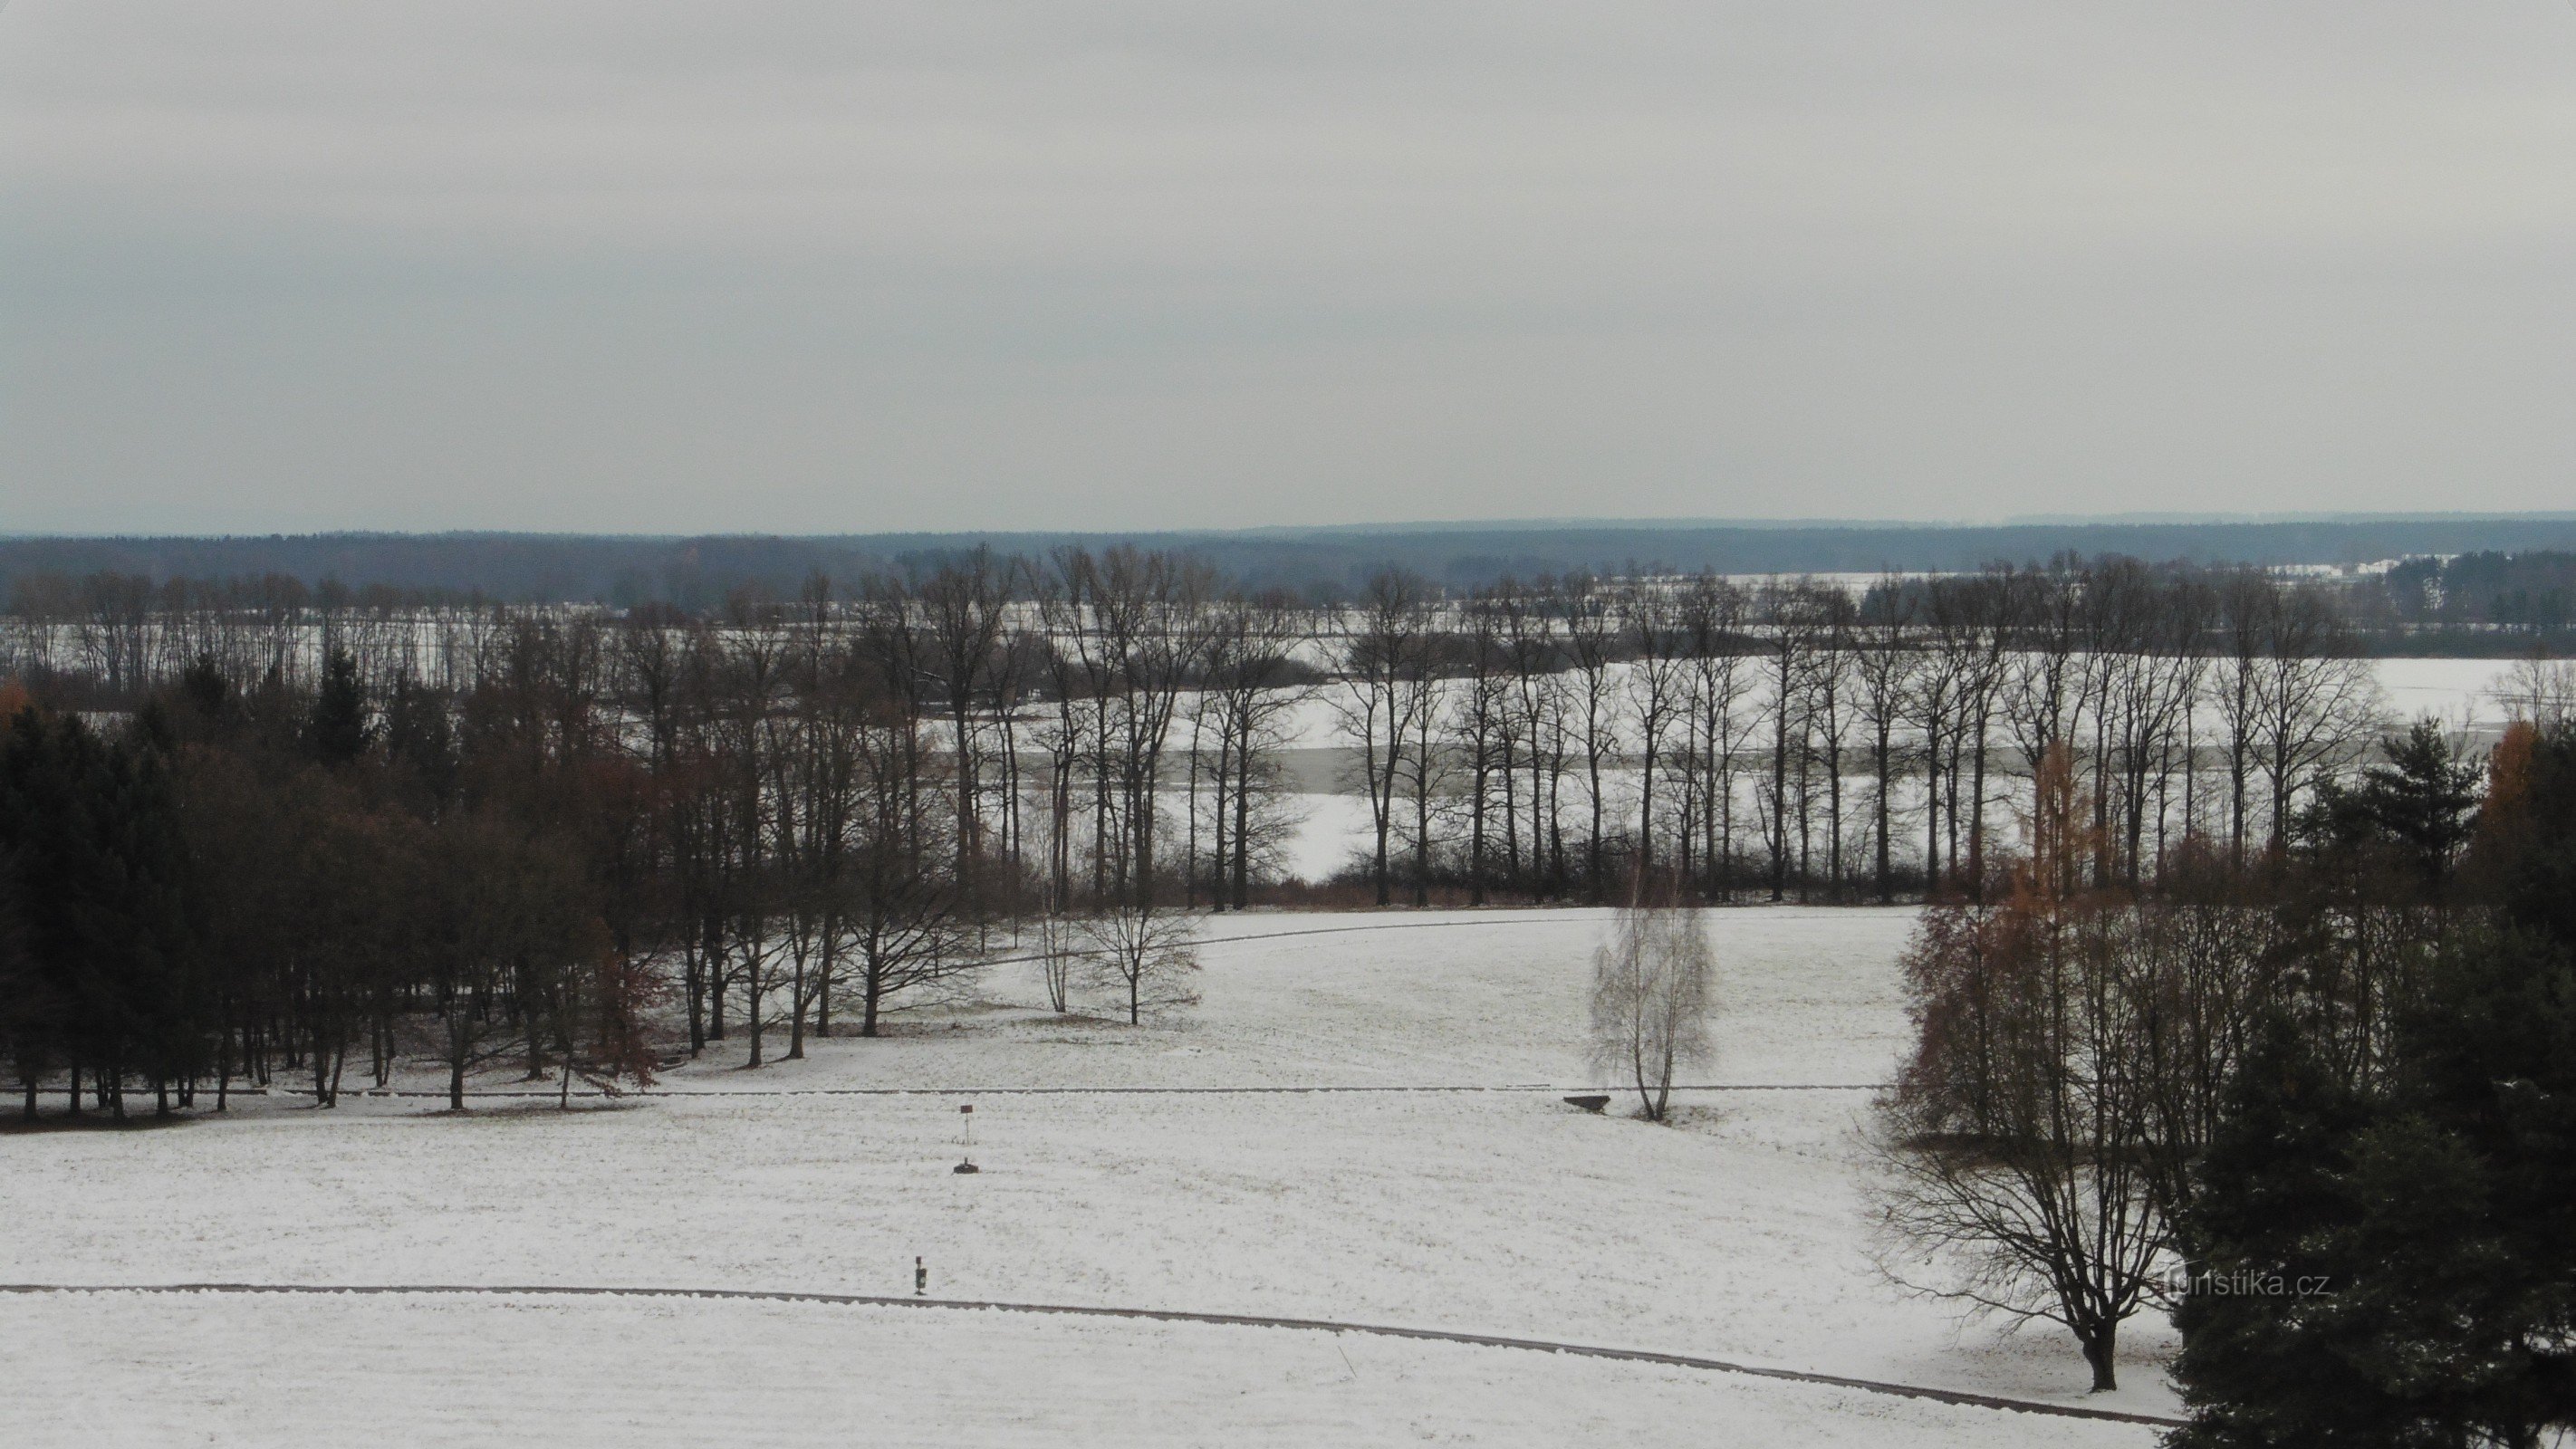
(694,983)
(796,1002)
(2101,1350)
(1242,840)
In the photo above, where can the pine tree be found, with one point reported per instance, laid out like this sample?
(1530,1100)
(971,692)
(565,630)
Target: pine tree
(337,730)
(2422,802)
(89,830)
(2257,1367)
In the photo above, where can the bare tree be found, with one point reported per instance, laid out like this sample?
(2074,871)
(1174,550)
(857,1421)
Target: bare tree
(2013,1145)
(1536,713)
(1592,638)
(2316,702)
(1253,681)
(1658,697)
(1830,708)
(2539,691)
(1652,981)
(1713,624)
(1385,688)
(964,601)
(1146,955)
(1061,955)
(1791,617)
(2247,603)
(1480,732)
(1883,664)
(1065,735)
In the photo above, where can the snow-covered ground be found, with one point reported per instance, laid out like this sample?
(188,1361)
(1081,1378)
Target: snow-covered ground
(483,1372)
(1739,1233)
(2454,691)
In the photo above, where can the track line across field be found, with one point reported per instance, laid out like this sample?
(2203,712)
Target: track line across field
(1103,1091)
(592,1093)
(1158,1315)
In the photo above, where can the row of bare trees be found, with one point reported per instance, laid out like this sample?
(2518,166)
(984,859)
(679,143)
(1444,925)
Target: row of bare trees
(1792,737)
(1120,727)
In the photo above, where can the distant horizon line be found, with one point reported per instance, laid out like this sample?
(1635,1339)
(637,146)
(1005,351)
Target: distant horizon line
(1418,526)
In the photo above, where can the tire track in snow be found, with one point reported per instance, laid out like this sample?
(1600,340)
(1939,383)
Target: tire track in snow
(1158,1315)
(593,1094)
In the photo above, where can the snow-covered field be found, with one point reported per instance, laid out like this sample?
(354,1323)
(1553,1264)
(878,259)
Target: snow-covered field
(484,1372)
(1738,1233)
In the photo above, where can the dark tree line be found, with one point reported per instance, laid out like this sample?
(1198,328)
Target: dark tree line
(699,574)
(473,837)
(2528,595)
(256,885)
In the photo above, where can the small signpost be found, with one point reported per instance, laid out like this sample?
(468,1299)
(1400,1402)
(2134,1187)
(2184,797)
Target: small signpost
(966,1140)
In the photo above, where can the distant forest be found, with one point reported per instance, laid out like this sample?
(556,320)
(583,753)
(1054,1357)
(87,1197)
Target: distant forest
(706,573)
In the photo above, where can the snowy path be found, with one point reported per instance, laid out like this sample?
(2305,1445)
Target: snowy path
(1156,1315)
(327,1371)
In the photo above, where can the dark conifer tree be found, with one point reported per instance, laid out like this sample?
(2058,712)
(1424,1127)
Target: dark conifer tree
(420,738)
(2272,1198)
(2423,802)
(90,830)
(338,730)
(2440,1210)
(30,1019)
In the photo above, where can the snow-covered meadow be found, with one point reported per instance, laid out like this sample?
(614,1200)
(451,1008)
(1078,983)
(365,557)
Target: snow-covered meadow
(1123,1167)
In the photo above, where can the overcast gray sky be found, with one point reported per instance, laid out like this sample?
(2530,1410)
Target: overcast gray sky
(760,265)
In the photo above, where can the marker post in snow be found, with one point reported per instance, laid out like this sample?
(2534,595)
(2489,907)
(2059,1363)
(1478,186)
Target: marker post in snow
(966,1142)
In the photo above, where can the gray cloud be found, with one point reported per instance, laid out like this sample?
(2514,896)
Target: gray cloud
(806,266)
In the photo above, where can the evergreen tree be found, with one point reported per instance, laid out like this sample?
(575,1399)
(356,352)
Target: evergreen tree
(30,1019)
(203,688)
(338,730)
(420,737)
(2259,1368)
(89,830)
(2440,1210)
(42,841)
(2422,803)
